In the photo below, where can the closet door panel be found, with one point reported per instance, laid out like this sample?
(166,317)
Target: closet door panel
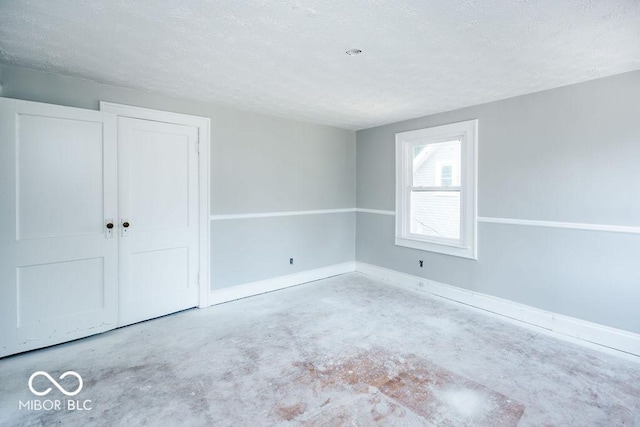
(158,199)
(58,260)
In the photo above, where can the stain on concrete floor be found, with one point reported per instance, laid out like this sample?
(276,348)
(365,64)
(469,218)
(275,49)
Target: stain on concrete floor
(408,383)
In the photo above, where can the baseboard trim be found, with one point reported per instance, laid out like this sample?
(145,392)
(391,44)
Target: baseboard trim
(220,296)
(612,338)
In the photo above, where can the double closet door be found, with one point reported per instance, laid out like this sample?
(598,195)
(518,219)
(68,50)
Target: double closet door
(98,222)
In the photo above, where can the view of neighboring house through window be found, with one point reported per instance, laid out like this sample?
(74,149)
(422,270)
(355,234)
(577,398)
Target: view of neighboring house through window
(436,189)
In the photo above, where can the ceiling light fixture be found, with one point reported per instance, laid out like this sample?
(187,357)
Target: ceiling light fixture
(353,52)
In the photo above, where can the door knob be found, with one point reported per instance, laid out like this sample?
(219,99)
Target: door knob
(108,223)
(124,231)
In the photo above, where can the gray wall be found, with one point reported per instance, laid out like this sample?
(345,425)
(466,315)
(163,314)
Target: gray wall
(259,163)
(568,154)
(571,155)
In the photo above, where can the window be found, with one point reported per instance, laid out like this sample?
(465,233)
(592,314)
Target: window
(436,189)
(445,177)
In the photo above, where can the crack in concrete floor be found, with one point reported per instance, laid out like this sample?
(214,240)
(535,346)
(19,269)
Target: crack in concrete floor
(348,350)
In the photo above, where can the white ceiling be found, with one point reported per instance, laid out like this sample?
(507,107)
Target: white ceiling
(287,57)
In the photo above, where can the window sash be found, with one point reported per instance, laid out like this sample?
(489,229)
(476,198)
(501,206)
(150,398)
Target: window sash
(408,166)
(460,243)
(457,188)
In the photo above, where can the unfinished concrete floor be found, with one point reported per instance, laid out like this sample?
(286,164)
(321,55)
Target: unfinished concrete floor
(349,350)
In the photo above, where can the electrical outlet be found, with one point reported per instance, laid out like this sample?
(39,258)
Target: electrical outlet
(291,261)
(420,261)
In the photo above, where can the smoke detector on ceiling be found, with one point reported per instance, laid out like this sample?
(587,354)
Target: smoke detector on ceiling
(353,52)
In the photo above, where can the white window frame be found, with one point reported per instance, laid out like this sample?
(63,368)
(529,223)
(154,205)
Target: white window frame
(467,133)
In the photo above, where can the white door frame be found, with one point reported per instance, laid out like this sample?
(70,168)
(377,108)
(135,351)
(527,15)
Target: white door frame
(204,143)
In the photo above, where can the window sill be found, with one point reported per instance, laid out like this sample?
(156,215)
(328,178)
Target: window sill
(458,251)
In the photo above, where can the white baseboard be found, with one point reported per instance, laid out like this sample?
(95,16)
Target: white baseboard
(220,296)
(560,325)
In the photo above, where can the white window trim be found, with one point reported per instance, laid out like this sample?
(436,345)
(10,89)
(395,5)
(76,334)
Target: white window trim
(467,131)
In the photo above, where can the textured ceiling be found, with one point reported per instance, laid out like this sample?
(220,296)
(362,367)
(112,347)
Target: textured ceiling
(287,57)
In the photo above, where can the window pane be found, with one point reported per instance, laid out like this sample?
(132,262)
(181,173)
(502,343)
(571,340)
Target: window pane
(446,175)
(436,214)
(437,165)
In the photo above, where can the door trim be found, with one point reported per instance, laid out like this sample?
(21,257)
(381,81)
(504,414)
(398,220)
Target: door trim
(204,177)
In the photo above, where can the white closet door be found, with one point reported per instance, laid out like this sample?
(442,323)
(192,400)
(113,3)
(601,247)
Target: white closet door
(58,263)
(158,226)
